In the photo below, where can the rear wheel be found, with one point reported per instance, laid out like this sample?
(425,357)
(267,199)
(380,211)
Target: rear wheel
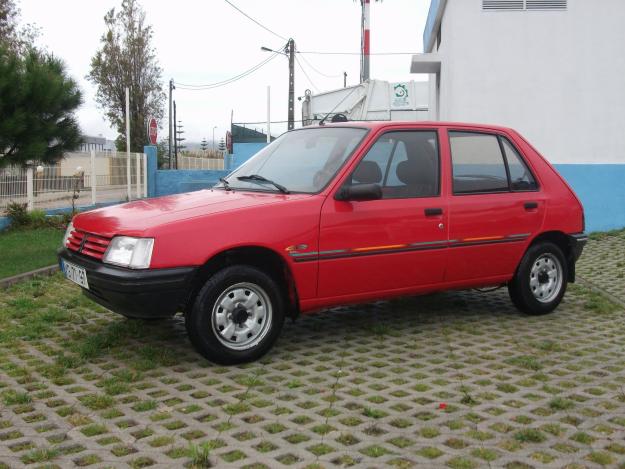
(237,315)
(540,280)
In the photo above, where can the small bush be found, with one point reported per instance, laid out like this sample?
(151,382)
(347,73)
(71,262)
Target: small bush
(18,214)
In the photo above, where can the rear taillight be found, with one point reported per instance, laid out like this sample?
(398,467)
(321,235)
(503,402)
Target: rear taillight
(583,221)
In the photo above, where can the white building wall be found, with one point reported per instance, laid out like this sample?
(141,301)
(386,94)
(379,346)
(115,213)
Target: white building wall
(540,72)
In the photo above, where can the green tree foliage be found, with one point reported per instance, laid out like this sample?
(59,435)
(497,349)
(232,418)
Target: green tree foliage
(128,59)
(16,38)
(204,145)
(222,145)
(37,104)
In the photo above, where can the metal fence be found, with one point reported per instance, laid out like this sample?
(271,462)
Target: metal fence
(88,178)
(196,162)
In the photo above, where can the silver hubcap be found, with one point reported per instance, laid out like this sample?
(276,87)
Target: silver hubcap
(546,278)
(241,316)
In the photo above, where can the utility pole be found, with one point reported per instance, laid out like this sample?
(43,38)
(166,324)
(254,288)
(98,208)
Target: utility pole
(171,88)
(364,67)
(175,141)
(344,79)
(290,50)
(268,114)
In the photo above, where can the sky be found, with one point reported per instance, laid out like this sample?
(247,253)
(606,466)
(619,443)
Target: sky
(199,42)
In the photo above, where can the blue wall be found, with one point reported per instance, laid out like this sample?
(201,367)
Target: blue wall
(601,188)
(241,152)
(177,181)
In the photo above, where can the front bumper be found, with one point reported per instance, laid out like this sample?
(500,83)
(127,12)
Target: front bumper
(150,293)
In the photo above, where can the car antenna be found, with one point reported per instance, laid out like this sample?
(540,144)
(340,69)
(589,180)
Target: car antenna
(322,121)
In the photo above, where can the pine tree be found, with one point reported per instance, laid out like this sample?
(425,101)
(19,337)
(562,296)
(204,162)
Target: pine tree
(204,145)
(222,144)
(37,104)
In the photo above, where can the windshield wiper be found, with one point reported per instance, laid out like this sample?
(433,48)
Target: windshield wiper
(226,184)
(259,178)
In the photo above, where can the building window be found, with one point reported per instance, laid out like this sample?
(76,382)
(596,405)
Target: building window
(523,5)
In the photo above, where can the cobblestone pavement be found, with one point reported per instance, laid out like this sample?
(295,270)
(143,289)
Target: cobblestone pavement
(458,380)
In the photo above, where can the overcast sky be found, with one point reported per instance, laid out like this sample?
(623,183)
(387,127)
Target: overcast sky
(200,42)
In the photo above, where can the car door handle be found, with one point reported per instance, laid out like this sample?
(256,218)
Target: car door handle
(531,205)
(431,212)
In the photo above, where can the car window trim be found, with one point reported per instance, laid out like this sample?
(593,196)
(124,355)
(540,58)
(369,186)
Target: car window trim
(498,135)
(434,130)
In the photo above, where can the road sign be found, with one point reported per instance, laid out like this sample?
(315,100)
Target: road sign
(153,130)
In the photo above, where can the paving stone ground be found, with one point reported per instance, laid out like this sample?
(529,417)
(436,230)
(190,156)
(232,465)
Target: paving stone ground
(458,379)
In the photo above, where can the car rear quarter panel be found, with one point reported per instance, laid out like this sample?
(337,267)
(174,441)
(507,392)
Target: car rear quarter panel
(564,211)
(194,241)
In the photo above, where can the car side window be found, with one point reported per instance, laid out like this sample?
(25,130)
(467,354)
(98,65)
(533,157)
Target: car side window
(521,179)
(477,163)
(404,163)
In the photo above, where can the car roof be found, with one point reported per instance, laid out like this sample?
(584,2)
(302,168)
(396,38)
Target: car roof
(415,124)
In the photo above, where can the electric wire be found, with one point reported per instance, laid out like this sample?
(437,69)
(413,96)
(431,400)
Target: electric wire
(354,53)
(253,20)
(320,73)
(208,86)
(306,74)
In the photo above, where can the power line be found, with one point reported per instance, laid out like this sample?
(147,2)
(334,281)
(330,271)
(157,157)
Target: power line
(209,86)
(252,19)
(355,53)
(320,73)
(306,74)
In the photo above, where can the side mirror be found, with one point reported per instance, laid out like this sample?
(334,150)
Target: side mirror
(360,192)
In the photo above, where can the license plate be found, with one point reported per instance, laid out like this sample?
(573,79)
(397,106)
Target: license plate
(76,274)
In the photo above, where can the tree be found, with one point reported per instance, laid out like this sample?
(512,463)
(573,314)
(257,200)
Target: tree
(18,39)
(128,59)
(37,104)
(204,145)
(222,145)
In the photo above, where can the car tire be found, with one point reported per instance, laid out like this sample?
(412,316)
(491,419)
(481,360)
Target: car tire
(540,281)
(236,316)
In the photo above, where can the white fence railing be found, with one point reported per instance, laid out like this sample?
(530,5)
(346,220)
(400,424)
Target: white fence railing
(92,178)
(193,162)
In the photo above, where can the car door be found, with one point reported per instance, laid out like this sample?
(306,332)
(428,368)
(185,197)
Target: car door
(395,243)
(494,209)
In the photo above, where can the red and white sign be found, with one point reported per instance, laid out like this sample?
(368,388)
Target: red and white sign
(153,130)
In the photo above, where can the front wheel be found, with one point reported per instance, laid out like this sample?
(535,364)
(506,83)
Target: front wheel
(236,316)
(540,280)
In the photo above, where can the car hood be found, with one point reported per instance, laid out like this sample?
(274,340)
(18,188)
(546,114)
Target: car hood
(138,217)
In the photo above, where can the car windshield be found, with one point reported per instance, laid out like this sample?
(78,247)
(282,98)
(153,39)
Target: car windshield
(299,161)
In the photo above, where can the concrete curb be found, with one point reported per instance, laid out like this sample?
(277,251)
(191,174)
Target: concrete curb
(7,282)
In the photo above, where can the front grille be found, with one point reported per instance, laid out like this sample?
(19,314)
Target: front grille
(88,244)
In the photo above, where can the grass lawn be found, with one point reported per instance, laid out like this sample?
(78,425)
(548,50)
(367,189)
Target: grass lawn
(25,250)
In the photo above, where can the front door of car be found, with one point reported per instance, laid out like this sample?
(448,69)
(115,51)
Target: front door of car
(397,242)
(495,207)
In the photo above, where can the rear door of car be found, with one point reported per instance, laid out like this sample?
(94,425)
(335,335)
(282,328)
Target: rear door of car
(395,243)
(495,206)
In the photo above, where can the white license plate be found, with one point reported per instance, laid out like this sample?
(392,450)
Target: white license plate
(75,274)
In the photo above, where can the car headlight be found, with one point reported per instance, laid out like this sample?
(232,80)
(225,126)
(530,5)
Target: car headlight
(125,251)
(68,233)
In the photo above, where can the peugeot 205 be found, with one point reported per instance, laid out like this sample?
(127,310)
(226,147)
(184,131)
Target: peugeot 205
(332,215)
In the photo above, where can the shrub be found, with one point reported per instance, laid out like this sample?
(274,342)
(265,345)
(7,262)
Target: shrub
(18,214)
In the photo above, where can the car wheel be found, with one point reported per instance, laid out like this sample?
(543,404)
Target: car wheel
(237,315)
(540,280)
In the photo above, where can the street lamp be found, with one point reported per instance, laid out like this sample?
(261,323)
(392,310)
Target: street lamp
(289,51)
(214,138)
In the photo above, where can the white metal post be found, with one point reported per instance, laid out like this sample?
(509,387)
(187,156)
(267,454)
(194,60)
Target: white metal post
(29,188)
(145,175)
(94,178)
(138,171)
(128,181)
(268,114)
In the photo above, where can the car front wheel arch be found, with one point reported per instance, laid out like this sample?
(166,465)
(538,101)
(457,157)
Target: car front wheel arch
(262,258)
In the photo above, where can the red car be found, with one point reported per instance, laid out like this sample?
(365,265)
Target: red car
(331,215)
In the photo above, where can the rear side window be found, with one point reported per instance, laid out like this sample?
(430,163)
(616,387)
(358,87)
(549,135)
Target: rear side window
(477,162)
(487,163)
(521,178)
